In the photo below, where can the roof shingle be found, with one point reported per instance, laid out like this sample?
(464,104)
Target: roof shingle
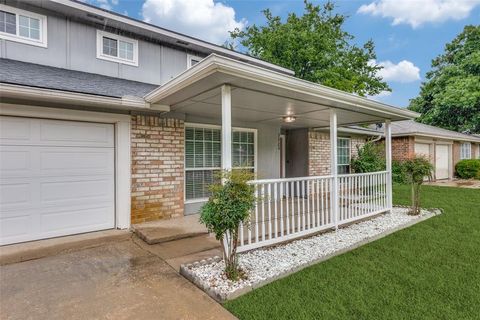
(35,75)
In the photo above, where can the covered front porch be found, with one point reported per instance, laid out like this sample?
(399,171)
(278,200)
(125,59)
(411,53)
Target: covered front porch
(230,96)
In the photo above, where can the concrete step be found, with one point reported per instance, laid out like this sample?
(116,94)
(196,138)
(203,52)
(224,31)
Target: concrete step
(169,230)
(186,250)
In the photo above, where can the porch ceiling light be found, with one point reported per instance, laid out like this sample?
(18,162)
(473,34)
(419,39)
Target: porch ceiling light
(289,118)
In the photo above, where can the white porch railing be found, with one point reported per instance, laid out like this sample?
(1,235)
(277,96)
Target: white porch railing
(295,207)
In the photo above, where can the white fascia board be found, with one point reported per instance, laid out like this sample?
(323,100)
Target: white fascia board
(215,63)
(181,37)
(42,94)
(439,136)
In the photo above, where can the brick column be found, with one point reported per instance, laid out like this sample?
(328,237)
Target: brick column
(157,146)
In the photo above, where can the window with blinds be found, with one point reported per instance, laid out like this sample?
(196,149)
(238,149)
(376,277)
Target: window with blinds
(203,157)
(343,155)
(466,151)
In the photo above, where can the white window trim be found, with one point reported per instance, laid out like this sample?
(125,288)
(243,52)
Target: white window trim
(463,155)
(100,55)
(42,42)
(212,126)
(191,57)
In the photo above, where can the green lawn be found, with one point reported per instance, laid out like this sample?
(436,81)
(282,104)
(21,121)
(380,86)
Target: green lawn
(428,271)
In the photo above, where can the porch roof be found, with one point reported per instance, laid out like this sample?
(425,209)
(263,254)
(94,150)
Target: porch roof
(265,96)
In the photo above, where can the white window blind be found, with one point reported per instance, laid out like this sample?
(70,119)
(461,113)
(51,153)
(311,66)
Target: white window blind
(203,157)
(466,150)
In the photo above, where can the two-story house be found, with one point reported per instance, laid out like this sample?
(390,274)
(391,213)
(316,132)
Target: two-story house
(107,121)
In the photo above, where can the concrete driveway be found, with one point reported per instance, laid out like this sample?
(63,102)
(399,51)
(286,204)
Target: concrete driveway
(113,281)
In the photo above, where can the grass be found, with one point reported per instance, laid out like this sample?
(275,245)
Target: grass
(428,271)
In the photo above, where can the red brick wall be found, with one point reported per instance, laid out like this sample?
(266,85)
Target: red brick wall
(403,148)
(157,147)
(319,151)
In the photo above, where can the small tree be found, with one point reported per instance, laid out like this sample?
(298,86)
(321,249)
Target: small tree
(416,170)
(230,204)
(370,158)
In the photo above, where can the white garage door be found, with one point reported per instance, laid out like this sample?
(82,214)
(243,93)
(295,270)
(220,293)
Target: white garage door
(422,149)
(441,162)
(56,178)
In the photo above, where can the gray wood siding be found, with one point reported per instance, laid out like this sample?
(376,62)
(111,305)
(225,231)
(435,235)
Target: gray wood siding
(72,45)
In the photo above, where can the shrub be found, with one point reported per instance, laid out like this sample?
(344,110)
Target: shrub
(416,170)
(370,158)
(468,169)
(398,172)
(229,204)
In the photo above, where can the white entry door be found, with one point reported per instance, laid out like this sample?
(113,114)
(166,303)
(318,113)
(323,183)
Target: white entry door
(441,161)
(56,178)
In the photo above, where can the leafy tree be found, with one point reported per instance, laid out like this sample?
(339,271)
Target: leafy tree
(229,204)
(316,47)
(416,170)
(450,98)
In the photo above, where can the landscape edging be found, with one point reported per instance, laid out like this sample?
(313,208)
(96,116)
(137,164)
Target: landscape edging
(185,269)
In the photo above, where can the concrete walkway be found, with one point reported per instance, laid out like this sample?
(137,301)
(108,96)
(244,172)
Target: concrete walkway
(120,280)
(470,184)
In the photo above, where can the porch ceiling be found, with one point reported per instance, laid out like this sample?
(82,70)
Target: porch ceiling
(263,96)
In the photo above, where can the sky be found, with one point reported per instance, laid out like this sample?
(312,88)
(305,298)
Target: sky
(407,34)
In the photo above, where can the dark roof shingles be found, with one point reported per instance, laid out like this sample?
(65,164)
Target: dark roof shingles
(35,75)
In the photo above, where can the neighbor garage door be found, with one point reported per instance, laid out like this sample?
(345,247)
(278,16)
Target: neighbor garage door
(56,178)
(422,149)
(442,155)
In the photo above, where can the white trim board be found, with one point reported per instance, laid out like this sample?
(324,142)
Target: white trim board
(122,147)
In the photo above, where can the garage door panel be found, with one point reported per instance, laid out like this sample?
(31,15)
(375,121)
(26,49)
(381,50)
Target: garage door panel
(75,161)
(68,191)
(57,181)
(15,130)
(442,161)
(41,132)
(422,149)
(75,219)
(15,228)
(75,133)
(38,161)
(15,194)
(15,161)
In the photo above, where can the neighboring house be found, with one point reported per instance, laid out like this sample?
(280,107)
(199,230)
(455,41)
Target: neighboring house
(107,121)
(443,147)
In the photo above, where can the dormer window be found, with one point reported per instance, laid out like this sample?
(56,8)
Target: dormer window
(192,60)
(116,48)
(23,26)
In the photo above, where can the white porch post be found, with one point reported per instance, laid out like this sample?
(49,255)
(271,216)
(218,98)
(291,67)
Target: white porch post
(226,147)
(334,164)
(388,159)
(226,127)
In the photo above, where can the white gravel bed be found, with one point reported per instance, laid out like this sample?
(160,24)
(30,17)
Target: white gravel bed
(265,263)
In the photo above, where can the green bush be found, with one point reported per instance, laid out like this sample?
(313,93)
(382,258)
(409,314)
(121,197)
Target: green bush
(370,158)
(228,206)
(468,169)
(399,174)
